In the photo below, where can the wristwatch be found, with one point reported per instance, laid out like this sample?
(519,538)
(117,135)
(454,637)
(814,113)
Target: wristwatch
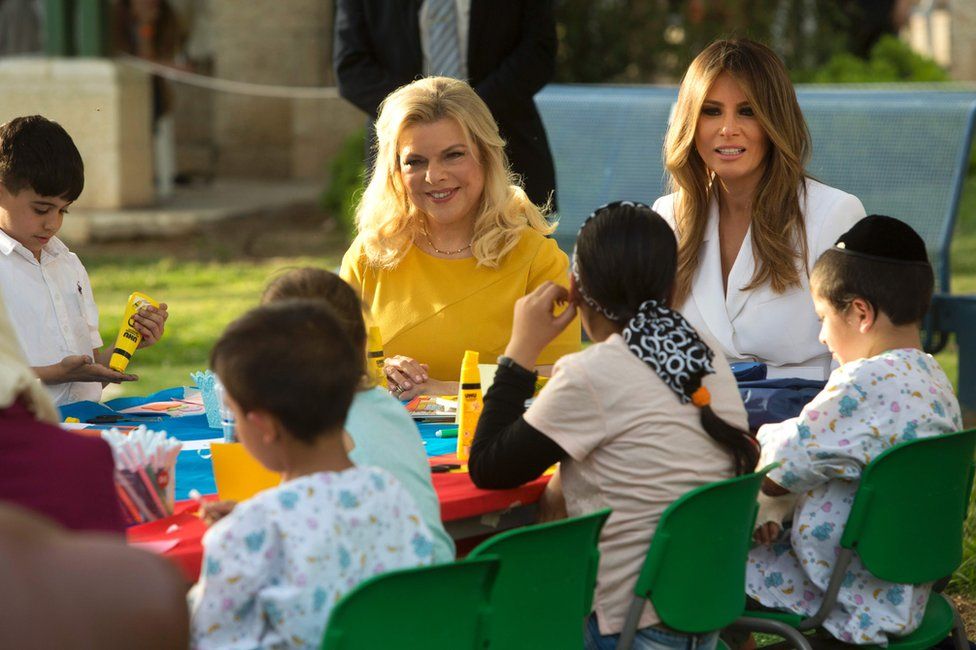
(509,362)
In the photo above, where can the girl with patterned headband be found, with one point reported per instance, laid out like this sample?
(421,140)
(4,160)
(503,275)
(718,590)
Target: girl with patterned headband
(637,419)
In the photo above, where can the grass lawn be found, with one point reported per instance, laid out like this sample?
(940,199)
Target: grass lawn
(210,280)
(207,282)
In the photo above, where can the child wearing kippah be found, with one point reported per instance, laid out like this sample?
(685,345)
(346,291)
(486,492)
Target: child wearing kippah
(871,291)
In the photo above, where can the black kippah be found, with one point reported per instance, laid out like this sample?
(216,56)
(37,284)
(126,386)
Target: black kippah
(884,239)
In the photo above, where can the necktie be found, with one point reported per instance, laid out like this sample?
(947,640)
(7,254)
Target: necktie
(445,55)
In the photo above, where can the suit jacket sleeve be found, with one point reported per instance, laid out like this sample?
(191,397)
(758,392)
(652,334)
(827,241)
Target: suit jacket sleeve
(530,66)
(361,76)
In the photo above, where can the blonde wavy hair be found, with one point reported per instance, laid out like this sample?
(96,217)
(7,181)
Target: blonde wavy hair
(387,221)
(776,205)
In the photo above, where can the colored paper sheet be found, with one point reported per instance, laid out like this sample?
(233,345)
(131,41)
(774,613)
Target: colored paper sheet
(159,547)
(433,408)
(238,475)
(173,408)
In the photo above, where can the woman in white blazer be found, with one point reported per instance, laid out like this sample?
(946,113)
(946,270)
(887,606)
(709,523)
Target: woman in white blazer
(750,222)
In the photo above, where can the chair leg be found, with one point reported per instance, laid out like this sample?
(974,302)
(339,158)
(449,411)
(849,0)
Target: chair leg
(791,634)
(627,635)
(959,639)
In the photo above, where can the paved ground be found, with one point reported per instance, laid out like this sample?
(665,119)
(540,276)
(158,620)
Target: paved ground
(192,208)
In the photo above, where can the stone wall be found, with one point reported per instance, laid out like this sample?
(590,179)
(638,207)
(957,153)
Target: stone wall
(963,39)
(104,107)
(283,43)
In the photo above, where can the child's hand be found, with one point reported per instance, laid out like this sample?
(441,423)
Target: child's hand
(767,533)
(213,511)
(552,504)
(150,321)
(79,367)
(535,324)
(773,511)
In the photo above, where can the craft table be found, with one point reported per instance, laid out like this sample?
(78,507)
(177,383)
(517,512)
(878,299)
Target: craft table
(466,510)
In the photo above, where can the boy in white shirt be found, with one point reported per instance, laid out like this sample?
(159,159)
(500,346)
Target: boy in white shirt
(43,284)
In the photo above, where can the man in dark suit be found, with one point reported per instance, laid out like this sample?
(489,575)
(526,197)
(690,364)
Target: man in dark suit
(510,56)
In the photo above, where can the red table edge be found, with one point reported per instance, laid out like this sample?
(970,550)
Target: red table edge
(475,502)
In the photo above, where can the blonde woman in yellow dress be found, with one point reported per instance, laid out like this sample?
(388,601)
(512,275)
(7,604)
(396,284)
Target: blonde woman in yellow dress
(447,239)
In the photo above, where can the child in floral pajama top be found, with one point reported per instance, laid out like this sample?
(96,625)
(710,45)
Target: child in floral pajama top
(871,294)
(274,567)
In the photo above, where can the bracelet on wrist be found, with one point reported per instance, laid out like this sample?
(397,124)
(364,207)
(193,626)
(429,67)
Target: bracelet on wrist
(517,368)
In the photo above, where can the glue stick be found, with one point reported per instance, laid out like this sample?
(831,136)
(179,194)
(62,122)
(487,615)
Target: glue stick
(469,403)
(129,337)
(375,356)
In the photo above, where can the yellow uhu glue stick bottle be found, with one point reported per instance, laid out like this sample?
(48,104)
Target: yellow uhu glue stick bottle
(469,404)
(375,356)
(129,337)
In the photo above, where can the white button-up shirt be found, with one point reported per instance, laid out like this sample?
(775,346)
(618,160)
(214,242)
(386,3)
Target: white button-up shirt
(52,309)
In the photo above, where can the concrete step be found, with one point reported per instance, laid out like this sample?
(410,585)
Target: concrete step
(192,207)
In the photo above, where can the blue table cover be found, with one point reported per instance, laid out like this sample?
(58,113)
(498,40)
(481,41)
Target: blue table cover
(193,468)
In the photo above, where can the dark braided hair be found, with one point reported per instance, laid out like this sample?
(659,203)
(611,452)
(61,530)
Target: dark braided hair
(624,265)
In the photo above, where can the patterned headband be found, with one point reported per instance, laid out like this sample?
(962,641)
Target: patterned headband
(575,268)
(658,335)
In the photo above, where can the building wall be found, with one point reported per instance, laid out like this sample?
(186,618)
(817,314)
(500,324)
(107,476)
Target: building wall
(104,107)
(963,39)
(283,43)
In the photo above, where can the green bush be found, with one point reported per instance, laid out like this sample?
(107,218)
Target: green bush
(653,41)
(347,176)
(891,60)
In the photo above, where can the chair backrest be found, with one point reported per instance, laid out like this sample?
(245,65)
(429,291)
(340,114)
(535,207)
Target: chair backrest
(695,569)
(444,606)
(906,523)
(902,151)
(544,589)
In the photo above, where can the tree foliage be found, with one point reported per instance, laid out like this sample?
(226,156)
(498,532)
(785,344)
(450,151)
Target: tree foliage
(647,41)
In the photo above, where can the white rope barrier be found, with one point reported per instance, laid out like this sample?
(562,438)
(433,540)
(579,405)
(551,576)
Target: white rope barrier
(227,85)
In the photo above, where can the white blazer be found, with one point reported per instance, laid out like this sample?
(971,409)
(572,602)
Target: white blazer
(779,329)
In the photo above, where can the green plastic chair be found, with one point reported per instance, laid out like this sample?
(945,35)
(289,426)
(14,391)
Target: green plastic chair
(544,590)
(695,569)
(906,525)
(393,610)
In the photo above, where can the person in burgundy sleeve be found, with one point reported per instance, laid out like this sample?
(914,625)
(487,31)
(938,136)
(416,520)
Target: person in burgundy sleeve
(62,475)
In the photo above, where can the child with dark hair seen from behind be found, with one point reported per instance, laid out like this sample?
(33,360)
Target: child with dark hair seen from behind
(44,285)
(276,565)
(645,414)
(381,431)
(871,291)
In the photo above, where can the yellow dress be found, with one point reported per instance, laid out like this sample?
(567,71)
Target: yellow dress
(433,309)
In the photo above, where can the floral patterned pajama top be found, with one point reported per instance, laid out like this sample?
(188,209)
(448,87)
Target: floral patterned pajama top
(867,406)
(274,568)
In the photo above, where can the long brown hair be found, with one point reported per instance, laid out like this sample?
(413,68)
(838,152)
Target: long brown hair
(776,206)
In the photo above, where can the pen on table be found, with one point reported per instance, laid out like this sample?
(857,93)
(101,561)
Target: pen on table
(144,512)
(450,432)
(444,468)
(128,506)
(112,419)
